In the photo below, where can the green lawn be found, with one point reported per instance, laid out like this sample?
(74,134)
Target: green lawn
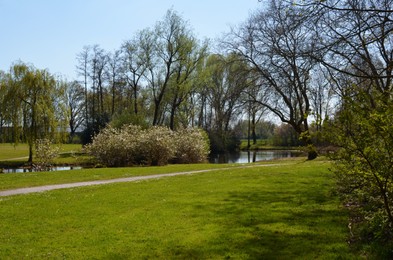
(21,151)
(16,155)
(11,151)
(275,212)
(31,179)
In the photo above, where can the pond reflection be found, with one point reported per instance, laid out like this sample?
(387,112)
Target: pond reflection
(252,156)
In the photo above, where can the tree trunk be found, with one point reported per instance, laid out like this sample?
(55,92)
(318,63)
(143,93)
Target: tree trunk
(30,160)
(135,99)
(172,118)
(253,134)
(311,152)
(156,112)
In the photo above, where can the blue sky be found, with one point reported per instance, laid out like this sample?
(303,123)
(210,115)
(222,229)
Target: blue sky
(50,33)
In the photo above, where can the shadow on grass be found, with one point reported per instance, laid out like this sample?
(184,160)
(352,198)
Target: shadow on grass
(304,224)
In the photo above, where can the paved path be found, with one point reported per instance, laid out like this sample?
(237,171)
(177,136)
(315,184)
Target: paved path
(128,179)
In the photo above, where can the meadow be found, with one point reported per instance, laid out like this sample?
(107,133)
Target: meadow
(276,210)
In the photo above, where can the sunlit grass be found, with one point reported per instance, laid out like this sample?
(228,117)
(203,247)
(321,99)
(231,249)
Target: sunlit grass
(16,154)
(276,212)
(13,151)
(31,179)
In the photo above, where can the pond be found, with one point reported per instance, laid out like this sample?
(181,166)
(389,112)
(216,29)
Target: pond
(29,169)
(253,156)
(237,157)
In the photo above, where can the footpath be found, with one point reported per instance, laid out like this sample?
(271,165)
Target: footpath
(127,179)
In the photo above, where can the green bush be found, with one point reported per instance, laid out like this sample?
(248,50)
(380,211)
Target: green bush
(363,165)
(132,145)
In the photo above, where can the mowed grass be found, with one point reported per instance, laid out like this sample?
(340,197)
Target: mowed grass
(20,152)
(31,179)
(272,212)
(10,151)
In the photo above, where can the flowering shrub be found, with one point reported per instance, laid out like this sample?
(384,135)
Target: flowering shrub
(192,145)
(116,147)
(131,145)
(157,146)
(45,153)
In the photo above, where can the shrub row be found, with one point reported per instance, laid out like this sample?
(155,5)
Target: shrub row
(132,145)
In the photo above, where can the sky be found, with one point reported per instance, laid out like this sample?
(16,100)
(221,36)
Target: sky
(50,33)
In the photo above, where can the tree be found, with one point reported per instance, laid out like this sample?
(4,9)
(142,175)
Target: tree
(93,66)
(285,135)
(255,109)
(75,101)
(342,6)
(115,78)
(181,83)
(359,42)
(321,96)
(364,166)
(358,50)
(31,100)
(83,70)
(99,60)
(137,56)
(226,79)
(171,40)
(3,108)
(277,44)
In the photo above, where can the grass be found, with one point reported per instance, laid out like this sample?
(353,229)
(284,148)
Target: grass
(10,151)
(32,179)
(17,155)
(263,144)
(275,212)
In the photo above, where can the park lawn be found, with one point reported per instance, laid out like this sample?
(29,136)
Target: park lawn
(31,179)
(20,152)
(11,151)
(276,212)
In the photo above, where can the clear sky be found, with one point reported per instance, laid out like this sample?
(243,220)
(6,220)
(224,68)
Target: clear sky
(50,33)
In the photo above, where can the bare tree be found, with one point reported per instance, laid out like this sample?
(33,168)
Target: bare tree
(75,99)
(359,41)
(99,61)
(137,56)
(277,43)
(116,80)
(83,70)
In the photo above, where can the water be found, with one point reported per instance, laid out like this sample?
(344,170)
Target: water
(252,156)
(57,168)
(239,157)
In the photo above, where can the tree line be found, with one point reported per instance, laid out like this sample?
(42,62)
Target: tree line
(163,75)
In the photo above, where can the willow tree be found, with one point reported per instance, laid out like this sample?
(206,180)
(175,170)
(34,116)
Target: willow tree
(32,100)
(225,80)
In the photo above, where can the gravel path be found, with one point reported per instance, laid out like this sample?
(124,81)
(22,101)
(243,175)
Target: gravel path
(100,182)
